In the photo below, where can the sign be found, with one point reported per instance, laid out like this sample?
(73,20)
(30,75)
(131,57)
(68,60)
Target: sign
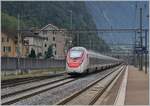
(141,51)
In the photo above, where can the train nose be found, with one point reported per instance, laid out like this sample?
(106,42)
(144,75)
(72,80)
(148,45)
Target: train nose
(74,63)
(75,58)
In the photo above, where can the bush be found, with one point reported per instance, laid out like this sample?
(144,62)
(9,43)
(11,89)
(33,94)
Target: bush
(32,54)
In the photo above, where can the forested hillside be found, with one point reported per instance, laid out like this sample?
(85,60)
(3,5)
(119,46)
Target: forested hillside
(39,14)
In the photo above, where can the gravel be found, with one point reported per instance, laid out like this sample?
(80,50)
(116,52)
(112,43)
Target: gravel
(8,90)
(54,95)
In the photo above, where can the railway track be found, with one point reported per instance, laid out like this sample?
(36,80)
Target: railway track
(16,96)
(19,81)
(22,94)
(90,94)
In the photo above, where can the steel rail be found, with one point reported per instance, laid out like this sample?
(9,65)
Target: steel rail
(74,95)
(12,98)
(33,87)
(15,82)
(31,92)
(100,92)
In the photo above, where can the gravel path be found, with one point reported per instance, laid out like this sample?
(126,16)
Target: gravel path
(52,96)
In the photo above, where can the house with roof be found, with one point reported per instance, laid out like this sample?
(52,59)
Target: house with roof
(34,41)
(55,38)
(39,40)
(10,47)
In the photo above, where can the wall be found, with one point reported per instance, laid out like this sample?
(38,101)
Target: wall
(10,63)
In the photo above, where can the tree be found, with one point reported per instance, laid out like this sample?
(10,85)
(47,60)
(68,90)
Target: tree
(32,54)
(49,52)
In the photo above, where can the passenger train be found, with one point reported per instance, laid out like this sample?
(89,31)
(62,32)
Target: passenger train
(80,60)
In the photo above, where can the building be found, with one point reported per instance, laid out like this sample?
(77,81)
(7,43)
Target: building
(34,41)
(9,46)
(41,39)
(56,39)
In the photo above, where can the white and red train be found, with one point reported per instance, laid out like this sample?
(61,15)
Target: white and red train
(80,60)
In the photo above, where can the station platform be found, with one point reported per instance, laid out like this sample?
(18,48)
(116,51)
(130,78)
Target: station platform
(131,89)
(137,89)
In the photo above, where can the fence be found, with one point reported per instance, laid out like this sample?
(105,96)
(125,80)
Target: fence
(12,63)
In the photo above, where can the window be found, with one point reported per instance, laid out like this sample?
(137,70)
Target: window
(53,38)
(55,45)
(45,45)
(2,39)
(9,49)
(7,39)
(4,49)
(53,32)
(76,53)
(55,52)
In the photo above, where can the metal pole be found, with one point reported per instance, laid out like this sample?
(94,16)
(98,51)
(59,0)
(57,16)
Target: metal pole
(90,44)
(71,19)
(70,23)
(77,39)
(141,41)
(146,60)
(18,52)
(135,63)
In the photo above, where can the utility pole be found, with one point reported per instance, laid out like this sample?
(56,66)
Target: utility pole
(71,19)
(18,41)
(135,61)
(70,23)
(90,45)
(146,58)
(141,41)
(77,39)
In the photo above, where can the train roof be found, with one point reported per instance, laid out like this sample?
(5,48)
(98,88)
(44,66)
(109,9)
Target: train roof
(94,54)
(100,56)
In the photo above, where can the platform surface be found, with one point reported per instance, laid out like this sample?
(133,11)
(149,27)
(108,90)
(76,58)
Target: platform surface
(137,89)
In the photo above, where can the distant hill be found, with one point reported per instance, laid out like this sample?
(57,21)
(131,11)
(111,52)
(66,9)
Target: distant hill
(39,14)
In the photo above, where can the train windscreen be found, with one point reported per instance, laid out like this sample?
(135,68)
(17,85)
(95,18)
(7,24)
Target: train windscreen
(76,53)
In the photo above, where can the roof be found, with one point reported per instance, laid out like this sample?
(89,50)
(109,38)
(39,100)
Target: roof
(32,34)
(49,25)
(10,34)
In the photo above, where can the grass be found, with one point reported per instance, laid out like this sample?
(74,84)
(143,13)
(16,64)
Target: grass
(33,73)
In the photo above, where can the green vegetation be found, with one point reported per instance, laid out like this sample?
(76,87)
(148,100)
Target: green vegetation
(9,23)
(49,52)
(34,73)
(41,13)
(32,54)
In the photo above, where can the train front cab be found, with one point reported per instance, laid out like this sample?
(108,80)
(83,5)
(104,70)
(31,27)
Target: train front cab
(76,62)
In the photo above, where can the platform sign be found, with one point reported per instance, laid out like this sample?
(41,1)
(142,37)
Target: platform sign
(141,51)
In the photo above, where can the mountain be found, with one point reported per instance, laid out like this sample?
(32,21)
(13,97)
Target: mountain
(39,14)
(118,15)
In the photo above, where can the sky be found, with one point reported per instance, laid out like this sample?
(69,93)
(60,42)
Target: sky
(118,14)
